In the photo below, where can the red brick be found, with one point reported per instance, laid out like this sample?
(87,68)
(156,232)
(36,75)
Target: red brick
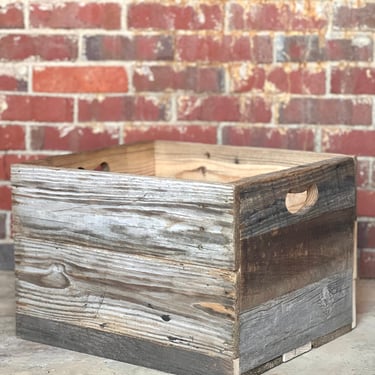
(44,47)
(175,17)
(128,108)
(255,109)
(326,112)
(164,78)
(353,80)
(139,47)
(5,197)
(203,134)
(298,139)
(363,173)
(310,81)
(212,108)
(6,160)
(353,142)
(83,79)
(223,108)
(11,16)
(72,139)
(276,16)
(12,137)
(12,83)
(245,78)
(223,48)
(366,203)
(37,108)
(355,49)
(360,17)
(367,264)
(75,15)
(366,235)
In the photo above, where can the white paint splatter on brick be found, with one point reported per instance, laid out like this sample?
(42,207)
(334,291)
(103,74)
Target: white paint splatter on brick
(145,71)
(361,41)
(3,104)
(188,105)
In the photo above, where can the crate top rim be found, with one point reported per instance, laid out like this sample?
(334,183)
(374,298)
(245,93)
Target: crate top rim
(309,159)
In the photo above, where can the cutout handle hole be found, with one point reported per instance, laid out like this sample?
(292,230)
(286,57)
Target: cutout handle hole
(299,203)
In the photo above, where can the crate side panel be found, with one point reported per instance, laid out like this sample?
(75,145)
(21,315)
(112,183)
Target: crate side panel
(283,260)
(179,152)
(122,348)
(295,319)
(281,251)
(262,199)
(170,303)
(182,221)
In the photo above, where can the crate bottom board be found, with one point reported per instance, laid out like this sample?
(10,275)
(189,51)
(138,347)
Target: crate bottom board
(137,351)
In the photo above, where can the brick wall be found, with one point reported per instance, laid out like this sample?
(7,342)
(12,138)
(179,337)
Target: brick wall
(291,74)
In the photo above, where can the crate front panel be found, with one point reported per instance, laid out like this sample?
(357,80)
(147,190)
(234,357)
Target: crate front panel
(183,221)
(170,303)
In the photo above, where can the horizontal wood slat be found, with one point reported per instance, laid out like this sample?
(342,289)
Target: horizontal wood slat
(163,301)
(185,221)
(288,322)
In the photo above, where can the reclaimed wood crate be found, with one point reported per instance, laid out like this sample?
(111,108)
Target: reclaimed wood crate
(187,258)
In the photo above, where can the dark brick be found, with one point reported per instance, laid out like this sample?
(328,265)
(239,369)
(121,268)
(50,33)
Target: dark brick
(326,112)
(128,108)
(139,47)
(359,17)
(367,263)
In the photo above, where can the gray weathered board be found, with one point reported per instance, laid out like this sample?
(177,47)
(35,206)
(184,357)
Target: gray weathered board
(188,258)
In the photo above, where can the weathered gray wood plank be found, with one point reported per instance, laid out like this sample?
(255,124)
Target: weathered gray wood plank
(185,221)
(262,198)
(285,323)
(124,348)
(169,303)
(292,257)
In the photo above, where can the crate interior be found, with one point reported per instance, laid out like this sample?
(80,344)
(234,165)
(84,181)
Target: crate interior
(190,161)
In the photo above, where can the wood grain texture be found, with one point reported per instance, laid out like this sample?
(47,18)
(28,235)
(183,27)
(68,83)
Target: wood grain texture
(285,323)
(224,163)
(287,259)
(135,159)
(124,348)
(262,198)
(169,303)
(181,221)
(189,252)
(281,251)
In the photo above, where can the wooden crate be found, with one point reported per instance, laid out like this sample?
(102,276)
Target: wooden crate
(188,258)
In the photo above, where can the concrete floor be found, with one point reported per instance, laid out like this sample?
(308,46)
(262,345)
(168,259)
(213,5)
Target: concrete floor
(351,354)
